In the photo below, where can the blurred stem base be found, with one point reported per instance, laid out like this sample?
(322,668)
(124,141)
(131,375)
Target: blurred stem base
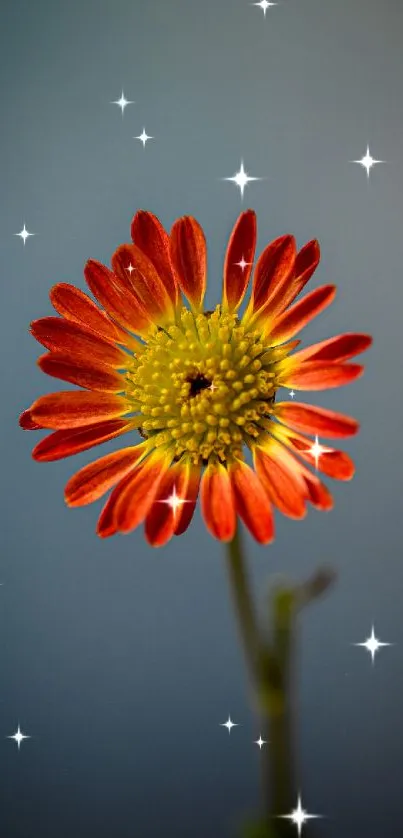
(269,650)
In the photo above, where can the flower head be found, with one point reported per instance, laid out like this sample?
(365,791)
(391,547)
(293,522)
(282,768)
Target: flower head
(200,387)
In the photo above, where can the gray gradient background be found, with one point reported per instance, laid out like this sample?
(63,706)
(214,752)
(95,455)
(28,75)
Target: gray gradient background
(118,660)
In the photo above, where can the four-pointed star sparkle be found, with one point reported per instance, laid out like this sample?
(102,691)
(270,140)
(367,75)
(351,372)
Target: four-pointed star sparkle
(291,394)
(298,816)
(24,234)
(372,644)
(122,102)
(18,737)
(264,5)
(367,162)
(242,264)
(316,450)
(260,742)
(228,724)
(174,501)
(143,137)
(241,179)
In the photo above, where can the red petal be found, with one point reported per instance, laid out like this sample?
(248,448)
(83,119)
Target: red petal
(309,485)
(190,491)
(88,374)
(188,254)
(116,296)
(151,237)
(136,498)
(27,423)
(320,376)
(306,262)
(92,481)
(146,284)
(282,485)
(71,409)
(273,269)
(334,463)
(296,317)
(106,525)
(315,420)
(78,307)
(252,502)
(60,335)
(162,519)
(318,495)
(217,502)
(62,444)
(241,246)
(339,348)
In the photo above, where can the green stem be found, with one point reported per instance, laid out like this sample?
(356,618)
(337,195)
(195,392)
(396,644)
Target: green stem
(280,753)
(270,670)
(243,602)
(279,797)
(282,733)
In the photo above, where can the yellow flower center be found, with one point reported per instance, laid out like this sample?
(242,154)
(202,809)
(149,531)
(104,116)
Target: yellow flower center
(202,385)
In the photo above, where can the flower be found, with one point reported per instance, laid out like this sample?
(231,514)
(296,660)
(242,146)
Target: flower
(199,386)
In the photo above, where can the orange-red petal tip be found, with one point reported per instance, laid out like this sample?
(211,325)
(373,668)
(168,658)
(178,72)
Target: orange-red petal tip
(26,421)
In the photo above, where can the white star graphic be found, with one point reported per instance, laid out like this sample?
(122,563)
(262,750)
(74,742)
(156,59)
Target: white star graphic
(130,268)
(122,102)
(298,816)
(24,234)
(316,450)
(264,4)
(242,264)
(18,737)
(372,644)
(367,162)
(143,137)
(229,724)
(174,501)
(291,394)
(260,742)
(241,179)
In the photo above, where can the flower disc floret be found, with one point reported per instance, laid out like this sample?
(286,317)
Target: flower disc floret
(202,385)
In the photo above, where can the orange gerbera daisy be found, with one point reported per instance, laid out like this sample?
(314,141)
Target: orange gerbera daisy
(198,385)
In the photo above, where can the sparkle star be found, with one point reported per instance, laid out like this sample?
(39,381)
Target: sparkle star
(122,102)
(143,137)
(18,737)
(24,234)
(316,450)
(130,269)
(229,724)
(260,742)
(367,162)
(299,816)
(242,264)
(372,644)
(241,179)
(264,5)
(291,394)
(174,501)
